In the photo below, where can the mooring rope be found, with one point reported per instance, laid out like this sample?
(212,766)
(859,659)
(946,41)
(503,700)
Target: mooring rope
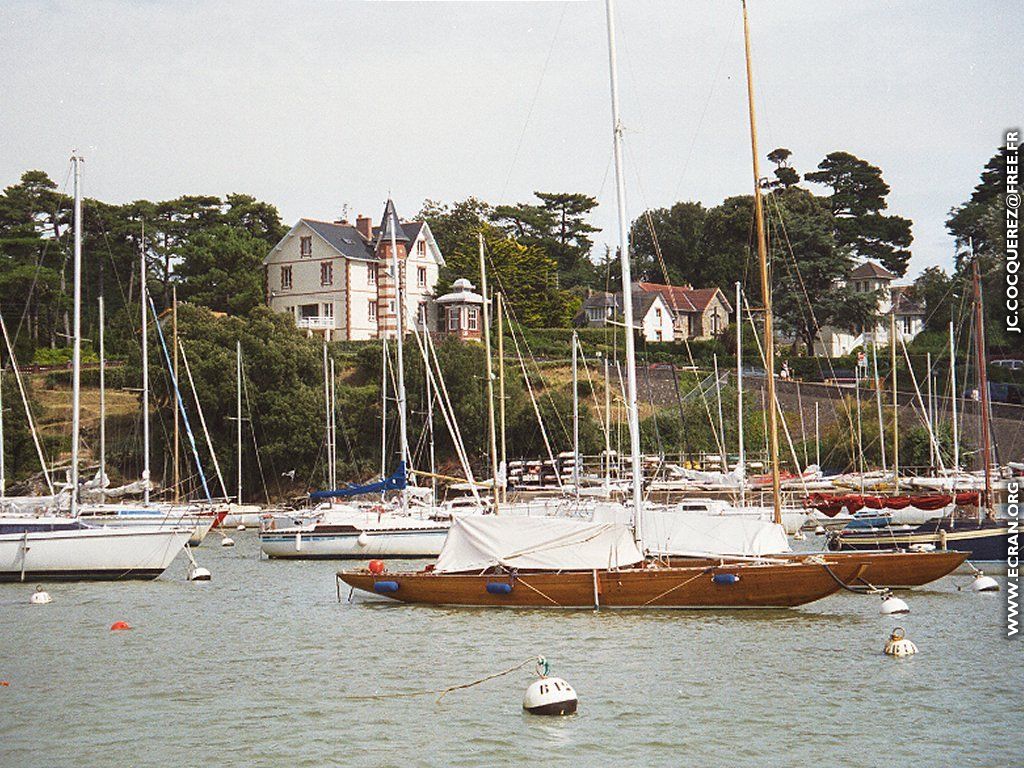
(540,661)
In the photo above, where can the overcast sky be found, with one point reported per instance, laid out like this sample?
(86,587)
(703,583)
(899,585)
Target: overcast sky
(317,105)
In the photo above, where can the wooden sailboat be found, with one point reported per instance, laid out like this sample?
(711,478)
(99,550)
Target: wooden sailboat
(564,563)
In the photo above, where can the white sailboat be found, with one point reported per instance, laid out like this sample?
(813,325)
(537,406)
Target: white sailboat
(396,527)
(198,518)
(57,547)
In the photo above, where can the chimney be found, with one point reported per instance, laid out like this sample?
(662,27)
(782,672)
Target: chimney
(364,225)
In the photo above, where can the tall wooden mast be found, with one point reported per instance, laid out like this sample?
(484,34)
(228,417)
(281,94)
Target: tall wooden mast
(979,347)
(766,287)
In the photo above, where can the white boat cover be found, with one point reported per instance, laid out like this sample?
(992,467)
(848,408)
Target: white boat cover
(476,542)
(693,535)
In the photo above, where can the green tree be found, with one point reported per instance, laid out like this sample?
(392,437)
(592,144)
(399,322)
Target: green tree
(858,198)
(222,268)
(809,269)
(524,273)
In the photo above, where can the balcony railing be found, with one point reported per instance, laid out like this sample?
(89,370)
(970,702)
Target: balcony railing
(318,323)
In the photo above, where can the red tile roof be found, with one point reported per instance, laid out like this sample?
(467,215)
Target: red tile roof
(684,298)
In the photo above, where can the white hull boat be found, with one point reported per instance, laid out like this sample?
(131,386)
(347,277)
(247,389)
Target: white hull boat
(248,515)
(59,548)
(199,520)
(348,532)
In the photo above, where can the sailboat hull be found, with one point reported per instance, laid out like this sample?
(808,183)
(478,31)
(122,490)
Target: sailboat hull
(891,569)
(985,542)
(714,587)
(105,554)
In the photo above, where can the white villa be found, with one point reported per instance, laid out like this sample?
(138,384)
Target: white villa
(335,278)
(892,299)
(651,314)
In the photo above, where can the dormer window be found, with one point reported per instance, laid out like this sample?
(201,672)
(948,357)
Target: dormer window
(306,245)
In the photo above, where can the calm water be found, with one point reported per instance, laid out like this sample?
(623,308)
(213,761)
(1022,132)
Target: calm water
(262,667)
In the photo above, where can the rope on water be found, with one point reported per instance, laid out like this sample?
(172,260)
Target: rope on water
(540,661)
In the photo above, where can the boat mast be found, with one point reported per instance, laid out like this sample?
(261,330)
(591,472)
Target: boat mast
(952,384)
(327,417)
(491,423)
(177,417)
(895,402)
(633,416)
(403,435)
(766,288)
(384,407)
(878,402)
(928,413)
(739,396)
(3,474)
(334,428)
(501,398)
(103,408)
(575,418)
(145,366)
(607,430)
(76,349)
(238,412)
(979,346)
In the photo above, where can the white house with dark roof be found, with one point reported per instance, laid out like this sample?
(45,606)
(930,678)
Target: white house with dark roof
(335,278)
(651,315)
(909,315)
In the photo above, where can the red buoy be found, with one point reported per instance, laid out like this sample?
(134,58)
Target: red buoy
(119,625)
(376,567)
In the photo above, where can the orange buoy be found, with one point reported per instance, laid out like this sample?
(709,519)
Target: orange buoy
(119,625)
(4,684)
(376,567)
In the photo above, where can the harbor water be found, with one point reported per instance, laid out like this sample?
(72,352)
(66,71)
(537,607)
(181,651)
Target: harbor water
(263,666)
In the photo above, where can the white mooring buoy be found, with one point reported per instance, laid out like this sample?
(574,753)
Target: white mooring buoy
(898,645)
(363,539)
(892,604)
(983,583)
(40,597)
(227,541)
(240,527)
(198,573)
(549,695)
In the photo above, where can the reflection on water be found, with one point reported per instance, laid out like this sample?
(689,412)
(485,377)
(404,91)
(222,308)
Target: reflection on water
(263,666)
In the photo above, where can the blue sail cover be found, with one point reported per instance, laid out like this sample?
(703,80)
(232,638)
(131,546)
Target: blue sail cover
(395,482)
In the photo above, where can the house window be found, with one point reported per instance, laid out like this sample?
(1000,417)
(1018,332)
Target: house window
(286,277)
(421,247)
(907,324)
(372,310)
(421,314)
(453,318)
(371,274)
(327,310)
(471,321)
(306,245)
(421,276)
(327,273)
(391,307)
(715,322)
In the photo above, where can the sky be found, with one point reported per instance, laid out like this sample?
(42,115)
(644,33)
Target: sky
(327,107)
